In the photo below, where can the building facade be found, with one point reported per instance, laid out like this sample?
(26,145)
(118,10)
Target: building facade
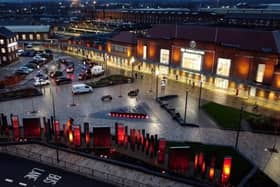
(8,46)
(241,60)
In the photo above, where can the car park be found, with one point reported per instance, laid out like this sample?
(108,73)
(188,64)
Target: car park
(62,80)
(81,88)
(41,82)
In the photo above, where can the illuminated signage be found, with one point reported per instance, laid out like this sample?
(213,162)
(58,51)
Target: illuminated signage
(184,50)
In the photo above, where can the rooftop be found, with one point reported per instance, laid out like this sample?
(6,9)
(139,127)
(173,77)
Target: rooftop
(125,37)
(28,28)
(246,39)
(5,32)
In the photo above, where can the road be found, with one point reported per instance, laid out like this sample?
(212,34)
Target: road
(20,172)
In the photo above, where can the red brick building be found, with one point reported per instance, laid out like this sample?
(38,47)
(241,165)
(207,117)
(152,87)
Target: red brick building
(245,61)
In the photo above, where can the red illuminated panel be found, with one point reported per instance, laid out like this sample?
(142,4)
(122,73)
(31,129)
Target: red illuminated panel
(87,138)
(196,161)
(32,127)
(121,134)
(101,137)
(178,159)
(128,115)
(226,170)
(57,128)
(200,159)
(77,135)
(15,124)
(161,151)
(212,168)
(70,136)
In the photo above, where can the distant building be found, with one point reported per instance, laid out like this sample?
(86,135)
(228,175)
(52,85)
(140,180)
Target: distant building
(31,32)
(8,46)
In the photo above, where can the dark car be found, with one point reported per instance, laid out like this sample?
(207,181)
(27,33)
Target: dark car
(22,72)
(84,75)
(133,93)
(70,68)
(62,80)
(31,65)
(56,74)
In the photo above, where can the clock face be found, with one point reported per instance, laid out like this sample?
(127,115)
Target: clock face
(192,44)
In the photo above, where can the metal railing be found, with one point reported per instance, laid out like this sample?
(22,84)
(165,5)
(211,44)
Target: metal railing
(72,167)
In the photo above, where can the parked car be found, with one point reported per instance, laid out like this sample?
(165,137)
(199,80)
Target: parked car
(55,74)
(62,80)
(70,69)
(81,88)
(31,65)
(29,70)
(97,71)
(20,52)
(41,82)
(29,45)
(39,58)
(22,72)
(84,75)
(40,76)
(133,93)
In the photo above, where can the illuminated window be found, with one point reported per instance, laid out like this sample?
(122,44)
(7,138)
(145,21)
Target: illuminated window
(23,37)
(1,41)
(4,58)
(223,67)
(192,61)
(221,83)
(17,36)
(260,72)
(31,36)
(9,49)
(3,50)
(38,37)
(164,56)
(144,52)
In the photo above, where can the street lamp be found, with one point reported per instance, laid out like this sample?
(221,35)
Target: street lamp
(200,90)
(157,73)
(38,67)
(54,118)
(93,15)
(186,105)
(106,61)
(239,126)
(132,60)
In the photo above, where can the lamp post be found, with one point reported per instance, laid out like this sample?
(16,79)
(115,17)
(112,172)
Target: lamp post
(239,126)
(157,73)
(106,63)
(38,67)
(132,60)
(93,14)
(186,105)
(54,118)
(199,97)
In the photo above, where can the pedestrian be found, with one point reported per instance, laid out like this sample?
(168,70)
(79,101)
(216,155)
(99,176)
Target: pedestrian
(176,77)
(193,84)
(135,75)
(142,76)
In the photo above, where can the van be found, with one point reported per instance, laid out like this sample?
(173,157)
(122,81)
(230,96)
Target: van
(97,70)
(81,88)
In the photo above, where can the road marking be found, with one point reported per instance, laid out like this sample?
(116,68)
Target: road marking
(22,184)
(9,180)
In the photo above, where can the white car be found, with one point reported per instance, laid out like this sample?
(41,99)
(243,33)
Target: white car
(41,82)
(81,88)
(39,58)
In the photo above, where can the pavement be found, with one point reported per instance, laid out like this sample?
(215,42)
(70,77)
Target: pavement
(17,171)
(252,145)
